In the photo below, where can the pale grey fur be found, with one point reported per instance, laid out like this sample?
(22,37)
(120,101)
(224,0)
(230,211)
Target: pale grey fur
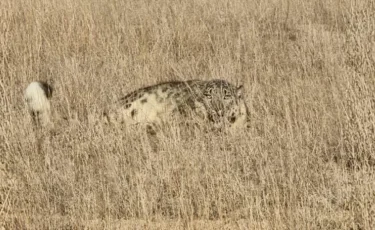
(217,102)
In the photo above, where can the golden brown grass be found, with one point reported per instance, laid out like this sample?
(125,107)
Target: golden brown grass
(306,162)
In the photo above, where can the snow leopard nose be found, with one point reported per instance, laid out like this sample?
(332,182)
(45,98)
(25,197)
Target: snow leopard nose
(218,107)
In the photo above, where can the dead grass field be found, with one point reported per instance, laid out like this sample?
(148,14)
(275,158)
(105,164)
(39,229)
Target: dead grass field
(306,162)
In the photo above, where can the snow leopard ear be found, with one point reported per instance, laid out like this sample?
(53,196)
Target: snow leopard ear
(239,91)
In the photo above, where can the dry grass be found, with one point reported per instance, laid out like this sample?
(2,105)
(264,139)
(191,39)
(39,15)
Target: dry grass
(307,161)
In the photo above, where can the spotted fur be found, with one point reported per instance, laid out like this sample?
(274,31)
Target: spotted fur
(37,96)
(216,101)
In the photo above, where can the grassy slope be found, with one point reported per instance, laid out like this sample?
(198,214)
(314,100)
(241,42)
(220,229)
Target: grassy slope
(306,162)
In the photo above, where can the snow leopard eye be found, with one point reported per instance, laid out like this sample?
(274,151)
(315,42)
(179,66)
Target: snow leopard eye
(208,93)
(227,94)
